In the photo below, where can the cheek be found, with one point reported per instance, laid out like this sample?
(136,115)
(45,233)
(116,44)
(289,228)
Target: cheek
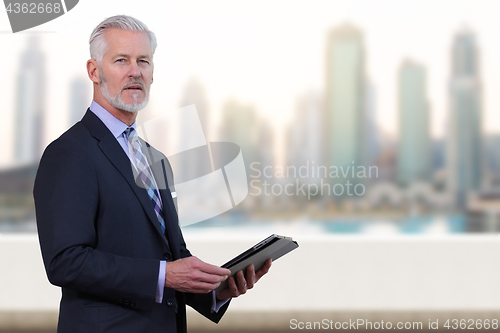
(114,85)
(148,75)
(115,77)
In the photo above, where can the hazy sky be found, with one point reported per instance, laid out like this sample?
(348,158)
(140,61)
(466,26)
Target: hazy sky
(264,53)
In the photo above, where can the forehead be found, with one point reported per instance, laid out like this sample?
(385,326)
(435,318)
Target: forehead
(127,42)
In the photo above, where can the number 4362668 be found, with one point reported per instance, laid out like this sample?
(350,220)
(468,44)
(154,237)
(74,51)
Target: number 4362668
(471,324)
(34,8)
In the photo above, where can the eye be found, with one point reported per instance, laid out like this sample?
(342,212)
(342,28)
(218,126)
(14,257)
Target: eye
(120,60)
(144,61)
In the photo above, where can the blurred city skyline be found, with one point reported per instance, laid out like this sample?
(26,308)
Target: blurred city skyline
(337,123)
(270,64)
(196,93)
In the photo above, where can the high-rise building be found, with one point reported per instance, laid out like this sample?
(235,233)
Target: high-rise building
(304,139)
(464,151)
(240,125)
(414,153)
(194,93)
(345,119)
(265,153)
(372,137)
(80,92)
(200,161)
(492,161)
(30,104)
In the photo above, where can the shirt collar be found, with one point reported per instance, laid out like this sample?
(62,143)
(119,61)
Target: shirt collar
(115,125)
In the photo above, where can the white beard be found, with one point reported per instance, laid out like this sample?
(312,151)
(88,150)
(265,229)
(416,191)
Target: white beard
(117,100)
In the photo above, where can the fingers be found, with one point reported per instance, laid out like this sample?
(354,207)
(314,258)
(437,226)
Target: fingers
(242,283)
(199,287)
(233,288)
(263,270)
(210,269)
(206,273)
(208,278)
(215,270)
(193,275)
(250,277)
(239,283)
(229,292)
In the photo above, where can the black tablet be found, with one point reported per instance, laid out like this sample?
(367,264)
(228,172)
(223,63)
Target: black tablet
(274,247)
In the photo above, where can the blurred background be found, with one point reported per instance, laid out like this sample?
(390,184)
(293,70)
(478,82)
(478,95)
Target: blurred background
(366,127)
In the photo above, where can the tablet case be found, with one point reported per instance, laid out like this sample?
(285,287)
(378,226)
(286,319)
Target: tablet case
(273,247)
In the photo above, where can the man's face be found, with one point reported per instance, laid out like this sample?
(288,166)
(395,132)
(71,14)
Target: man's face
(126,72)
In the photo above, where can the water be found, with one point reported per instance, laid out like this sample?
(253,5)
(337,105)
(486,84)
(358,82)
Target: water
(454,224)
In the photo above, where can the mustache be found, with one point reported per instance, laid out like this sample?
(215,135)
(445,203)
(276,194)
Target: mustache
(134,83)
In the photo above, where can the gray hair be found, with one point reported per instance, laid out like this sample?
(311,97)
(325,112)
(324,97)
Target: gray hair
(98,45)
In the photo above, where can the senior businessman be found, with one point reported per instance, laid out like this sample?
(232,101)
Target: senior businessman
(111,240)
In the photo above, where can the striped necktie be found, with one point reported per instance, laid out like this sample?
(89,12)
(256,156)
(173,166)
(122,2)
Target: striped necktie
(141,165)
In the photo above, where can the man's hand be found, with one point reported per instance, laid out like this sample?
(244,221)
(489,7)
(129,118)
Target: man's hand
(192,275)
(243,283)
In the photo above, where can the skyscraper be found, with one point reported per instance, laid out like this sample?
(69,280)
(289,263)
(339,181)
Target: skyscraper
(345,123)
(199,164)
(372,136)
(30,104)
(464,152)
(414,143)
(195,93)
(240,125)
(492,160)
(304,135)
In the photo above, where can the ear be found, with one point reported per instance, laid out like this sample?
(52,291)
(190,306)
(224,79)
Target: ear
(151,79)
(93,70)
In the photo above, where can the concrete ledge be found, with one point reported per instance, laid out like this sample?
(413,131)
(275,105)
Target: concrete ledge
(24,320)
(269,321)
(390,279)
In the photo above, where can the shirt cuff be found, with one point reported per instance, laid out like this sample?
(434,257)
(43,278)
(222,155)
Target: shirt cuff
(161,282)
(217,304)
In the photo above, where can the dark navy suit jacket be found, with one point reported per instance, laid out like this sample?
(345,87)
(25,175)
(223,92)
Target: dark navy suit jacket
(101,240)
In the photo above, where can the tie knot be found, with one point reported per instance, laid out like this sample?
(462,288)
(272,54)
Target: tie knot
(129,133)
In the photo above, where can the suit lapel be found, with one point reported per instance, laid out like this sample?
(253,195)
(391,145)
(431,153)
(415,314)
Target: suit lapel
(114,152)
(171,223)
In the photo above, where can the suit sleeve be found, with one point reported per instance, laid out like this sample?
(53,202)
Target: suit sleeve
(202,303)
(66,199)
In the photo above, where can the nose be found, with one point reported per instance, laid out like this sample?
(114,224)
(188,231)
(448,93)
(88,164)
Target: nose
(134,70)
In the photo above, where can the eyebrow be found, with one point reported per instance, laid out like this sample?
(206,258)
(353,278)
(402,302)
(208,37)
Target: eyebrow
(128,56)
